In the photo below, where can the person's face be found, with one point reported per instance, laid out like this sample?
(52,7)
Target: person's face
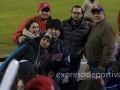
(44,13)
(20,85)
(34,29)
(45,42)
(76,14)
(54,33)
(98,16)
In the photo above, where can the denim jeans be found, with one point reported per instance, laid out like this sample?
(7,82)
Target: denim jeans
(96,72)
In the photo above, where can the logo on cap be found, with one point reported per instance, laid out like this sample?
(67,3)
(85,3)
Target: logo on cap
(97,8)
(48,35)
(45,4)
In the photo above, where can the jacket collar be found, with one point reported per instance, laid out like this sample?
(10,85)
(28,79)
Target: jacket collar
(28,34)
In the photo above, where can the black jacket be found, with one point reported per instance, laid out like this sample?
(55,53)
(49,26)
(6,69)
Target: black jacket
(75,37)
(28,51)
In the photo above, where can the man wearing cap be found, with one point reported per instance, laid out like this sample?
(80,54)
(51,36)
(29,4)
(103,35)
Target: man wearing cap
(59,55)
(74,35)
(42,19)
(100,44)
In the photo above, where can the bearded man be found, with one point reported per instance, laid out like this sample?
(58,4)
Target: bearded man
(74,34)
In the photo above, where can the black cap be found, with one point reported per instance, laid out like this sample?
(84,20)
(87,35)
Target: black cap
(25,68)
(54,23)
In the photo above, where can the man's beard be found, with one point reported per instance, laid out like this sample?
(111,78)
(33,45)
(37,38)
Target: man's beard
(76,21)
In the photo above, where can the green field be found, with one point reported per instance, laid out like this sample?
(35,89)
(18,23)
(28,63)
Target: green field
(14,12)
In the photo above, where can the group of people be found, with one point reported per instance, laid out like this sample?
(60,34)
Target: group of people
(52,46)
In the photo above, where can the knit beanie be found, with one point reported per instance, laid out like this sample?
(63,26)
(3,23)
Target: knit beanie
(54,23)
(25,68)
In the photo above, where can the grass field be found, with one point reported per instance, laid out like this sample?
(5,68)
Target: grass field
(14,12)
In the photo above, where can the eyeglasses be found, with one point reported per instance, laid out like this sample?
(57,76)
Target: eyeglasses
(78,13)
(45,10)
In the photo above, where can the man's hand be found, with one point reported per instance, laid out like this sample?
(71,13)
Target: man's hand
(102,69)
(21,39)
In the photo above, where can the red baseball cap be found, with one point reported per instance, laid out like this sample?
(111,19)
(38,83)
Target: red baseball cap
(41,83)
(97,8)
(44,5)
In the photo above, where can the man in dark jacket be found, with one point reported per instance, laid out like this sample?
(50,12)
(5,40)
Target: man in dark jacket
(74,35)
(58,64)
(100,44)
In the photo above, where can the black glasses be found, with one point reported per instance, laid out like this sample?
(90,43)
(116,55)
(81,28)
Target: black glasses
(78,13)
(45,10)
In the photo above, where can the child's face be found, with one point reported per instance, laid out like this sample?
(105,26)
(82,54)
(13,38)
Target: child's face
(20,85)
(45,42)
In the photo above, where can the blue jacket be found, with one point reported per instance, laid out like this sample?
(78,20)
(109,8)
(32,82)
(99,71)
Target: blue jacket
(59,61)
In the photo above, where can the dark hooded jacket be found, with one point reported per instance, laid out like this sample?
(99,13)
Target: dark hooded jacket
(29,51)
